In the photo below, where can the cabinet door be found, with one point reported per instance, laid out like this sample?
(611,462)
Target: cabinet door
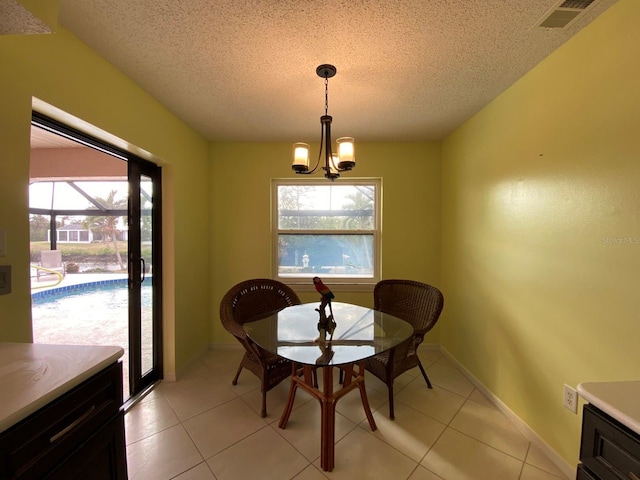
(608,449)
(32,448)
(583,473)
(102,457)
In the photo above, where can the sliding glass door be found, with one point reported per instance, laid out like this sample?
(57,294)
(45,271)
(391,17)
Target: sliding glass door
(99,208)
(145,300)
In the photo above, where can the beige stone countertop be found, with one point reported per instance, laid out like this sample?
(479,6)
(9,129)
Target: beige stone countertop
(620,400)
(32,375)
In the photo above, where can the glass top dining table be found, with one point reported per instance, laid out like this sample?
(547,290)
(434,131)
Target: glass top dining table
(360,332)
(296,333)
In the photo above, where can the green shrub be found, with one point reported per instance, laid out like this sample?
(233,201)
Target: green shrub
(72,267)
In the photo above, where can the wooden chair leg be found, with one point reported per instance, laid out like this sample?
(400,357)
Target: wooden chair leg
(235,379)
(424,374)
(263,410)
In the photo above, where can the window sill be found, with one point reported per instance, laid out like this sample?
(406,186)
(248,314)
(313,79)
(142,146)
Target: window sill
(335,287)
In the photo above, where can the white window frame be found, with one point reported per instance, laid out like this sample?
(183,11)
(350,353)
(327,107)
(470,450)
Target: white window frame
(343,283)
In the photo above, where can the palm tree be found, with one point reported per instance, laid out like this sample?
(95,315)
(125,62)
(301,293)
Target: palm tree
(362,200)
(107,225)
(361,203)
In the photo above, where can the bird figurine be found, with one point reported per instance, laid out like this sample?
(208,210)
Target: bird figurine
(327,295)
(326,324)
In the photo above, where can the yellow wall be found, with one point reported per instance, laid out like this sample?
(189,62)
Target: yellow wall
(541,229)
(240,204)
(61,71)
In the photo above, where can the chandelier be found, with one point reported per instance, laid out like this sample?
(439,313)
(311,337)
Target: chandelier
(334,163)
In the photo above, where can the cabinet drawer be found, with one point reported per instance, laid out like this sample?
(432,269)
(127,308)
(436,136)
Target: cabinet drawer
(583,473)
(102,457)
(608,448)
(37,444)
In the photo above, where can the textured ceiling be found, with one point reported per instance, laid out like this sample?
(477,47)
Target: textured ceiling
(15,19)
(244,70)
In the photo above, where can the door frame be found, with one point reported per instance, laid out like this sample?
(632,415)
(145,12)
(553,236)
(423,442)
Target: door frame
(139,381)
(137,384)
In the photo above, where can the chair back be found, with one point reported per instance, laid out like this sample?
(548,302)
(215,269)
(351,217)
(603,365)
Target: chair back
(415,302)
(51,258)
(251,300)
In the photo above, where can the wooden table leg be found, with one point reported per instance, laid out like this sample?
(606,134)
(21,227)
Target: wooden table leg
(327,435)
(302,377)
(290,398)
(364,398)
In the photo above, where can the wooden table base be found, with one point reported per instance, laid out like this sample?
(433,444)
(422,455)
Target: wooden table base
(303,376)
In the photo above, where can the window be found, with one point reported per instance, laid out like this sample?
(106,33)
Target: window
(326,229)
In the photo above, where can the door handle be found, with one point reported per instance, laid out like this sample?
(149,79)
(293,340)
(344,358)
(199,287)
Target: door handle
(74,424)
(143,268)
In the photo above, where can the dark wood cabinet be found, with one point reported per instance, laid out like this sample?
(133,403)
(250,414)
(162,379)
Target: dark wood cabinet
(79,435)
(584,473)
(608,450)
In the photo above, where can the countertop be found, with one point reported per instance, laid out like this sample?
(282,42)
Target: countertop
(620,400)
(33,375)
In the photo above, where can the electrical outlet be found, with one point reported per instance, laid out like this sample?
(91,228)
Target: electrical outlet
(570,398)
(5,279)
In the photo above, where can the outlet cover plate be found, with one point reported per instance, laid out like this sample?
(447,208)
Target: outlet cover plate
(5,279)
(570,398)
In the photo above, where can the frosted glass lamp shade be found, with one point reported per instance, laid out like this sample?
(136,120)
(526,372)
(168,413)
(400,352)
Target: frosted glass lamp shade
(346,153)
(300,157)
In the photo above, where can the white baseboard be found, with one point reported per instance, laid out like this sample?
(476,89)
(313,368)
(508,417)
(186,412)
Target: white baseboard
(568,470)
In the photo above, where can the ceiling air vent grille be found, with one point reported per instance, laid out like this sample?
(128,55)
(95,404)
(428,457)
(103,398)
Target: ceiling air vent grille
(577,4)
(565,13)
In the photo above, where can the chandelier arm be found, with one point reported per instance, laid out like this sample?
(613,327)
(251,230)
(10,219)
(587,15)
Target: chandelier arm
(319,151)
(321,145)
(315,168)
(328,161)
(330,173)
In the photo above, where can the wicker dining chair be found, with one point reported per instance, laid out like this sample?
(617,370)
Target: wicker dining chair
(420,305)
(251,300)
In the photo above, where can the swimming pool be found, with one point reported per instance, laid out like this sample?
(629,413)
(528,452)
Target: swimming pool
(94,313)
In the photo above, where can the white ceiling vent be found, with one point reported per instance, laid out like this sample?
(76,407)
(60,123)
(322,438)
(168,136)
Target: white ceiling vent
(564,13)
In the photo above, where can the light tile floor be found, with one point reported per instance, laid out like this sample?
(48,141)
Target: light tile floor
(203,428)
